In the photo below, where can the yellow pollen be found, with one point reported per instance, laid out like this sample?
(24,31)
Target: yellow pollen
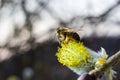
(101,61)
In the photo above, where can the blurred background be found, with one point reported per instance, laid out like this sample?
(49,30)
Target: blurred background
(27,35)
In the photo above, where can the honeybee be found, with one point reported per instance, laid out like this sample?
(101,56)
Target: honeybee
(65,34)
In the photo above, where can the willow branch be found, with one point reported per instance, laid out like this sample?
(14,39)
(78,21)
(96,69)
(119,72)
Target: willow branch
(110,62)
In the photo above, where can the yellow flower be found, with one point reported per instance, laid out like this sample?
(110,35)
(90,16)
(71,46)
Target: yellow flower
(73,54)
(76,56)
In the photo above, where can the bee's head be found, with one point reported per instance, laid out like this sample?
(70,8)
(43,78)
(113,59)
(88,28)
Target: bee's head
(61,33)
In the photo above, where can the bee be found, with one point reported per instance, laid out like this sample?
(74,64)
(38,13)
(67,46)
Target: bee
(65,34)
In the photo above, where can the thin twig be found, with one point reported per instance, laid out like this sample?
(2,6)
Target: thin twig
(110,62)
